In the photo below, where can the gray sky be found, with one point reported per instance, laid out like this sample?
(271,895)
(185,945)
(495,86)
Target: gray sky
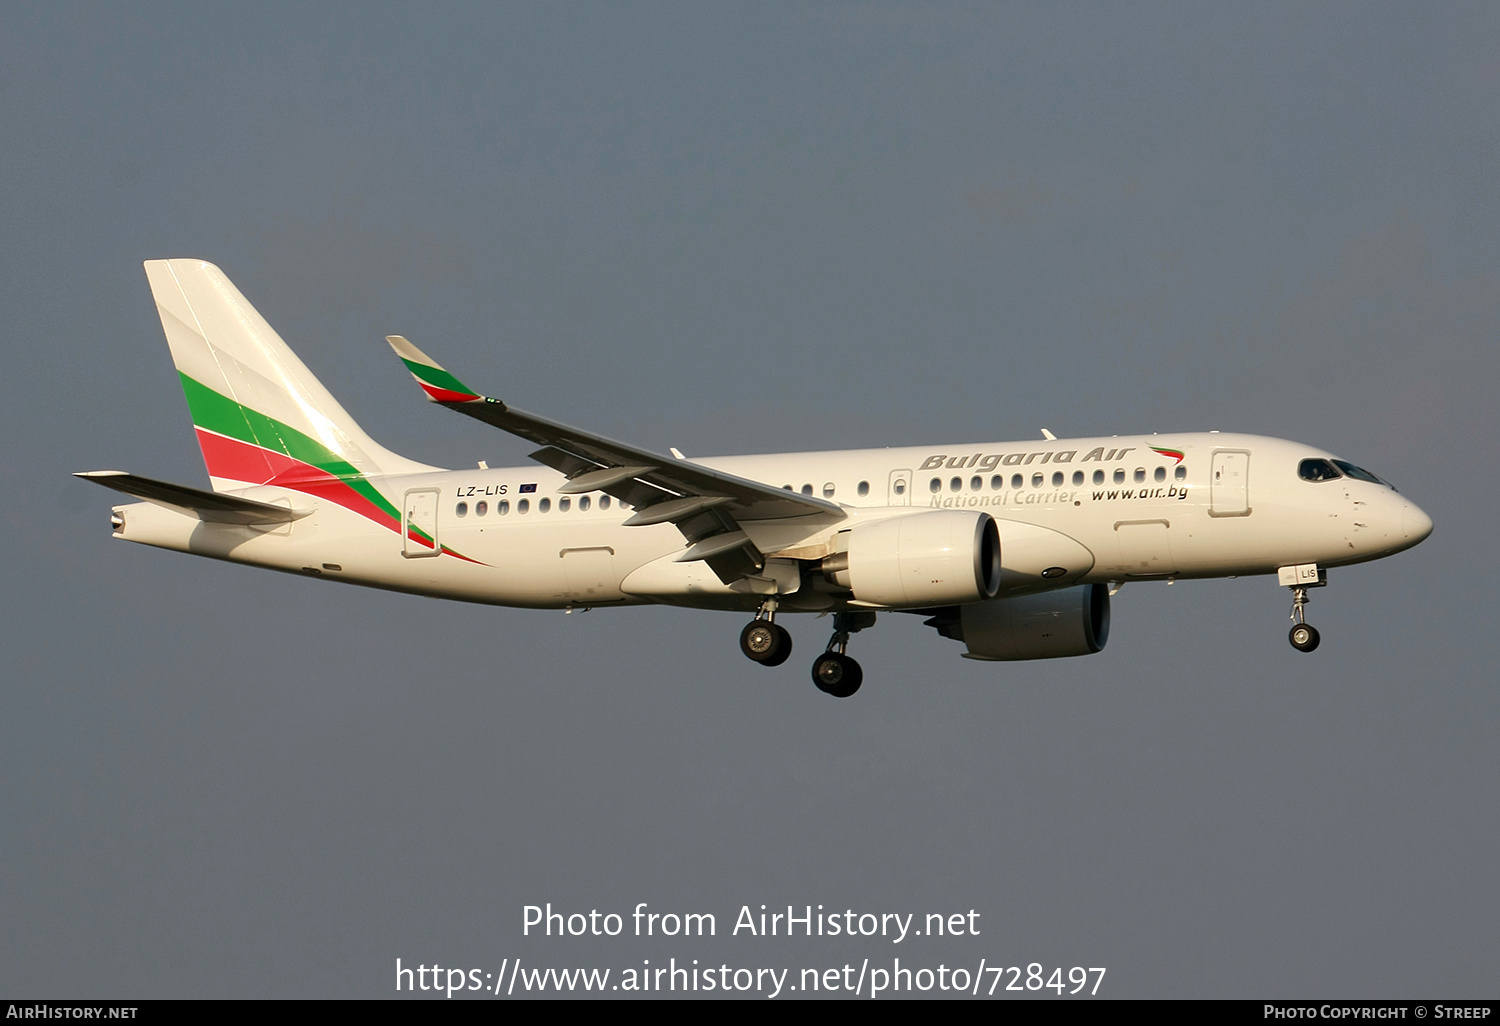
(742,229)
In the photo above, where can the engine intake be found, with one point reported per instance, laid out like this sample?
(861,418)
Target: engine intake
(923,559)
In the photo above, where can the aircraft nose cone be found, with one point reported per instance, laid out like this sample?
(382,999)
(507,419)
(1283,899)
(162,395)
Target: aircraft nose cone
(1418,524)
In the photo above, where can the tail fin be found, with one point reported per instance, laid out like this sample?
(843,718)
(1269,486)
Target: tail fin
(260,415)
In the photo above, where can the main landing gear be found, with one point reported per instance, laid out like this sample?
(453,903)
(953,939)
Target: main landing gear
(834,672)
(769,644)
(763,639)
(1303,635)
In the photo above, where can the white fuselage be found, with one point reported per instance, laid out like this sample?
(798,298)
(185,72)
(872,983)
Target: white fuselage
(1069,511)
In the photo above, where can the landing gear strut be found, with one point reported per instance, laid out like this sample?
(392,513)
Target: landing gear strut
(834,672)
(763,639)
(1303,635)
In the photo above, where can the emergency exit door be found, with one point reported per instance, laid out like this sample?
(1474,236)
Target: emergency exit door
(899,492)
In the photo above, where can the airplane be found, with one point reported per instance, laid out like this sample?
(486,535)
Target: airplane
(1012,548)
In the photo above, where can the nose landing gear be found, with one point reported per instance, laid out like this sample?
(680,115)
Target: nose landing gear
(1303,635)
(834,672)
(763,639)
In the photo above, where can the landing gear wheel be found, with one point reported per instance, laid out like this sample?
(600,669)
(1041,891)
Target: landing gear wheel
(765,642)
(783,649)
(836,674)
(1304,637)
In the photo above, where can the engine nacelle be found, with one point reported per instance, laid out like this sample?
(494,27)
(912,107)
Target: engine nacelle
(1039,558)
(937,558)
(1067,622)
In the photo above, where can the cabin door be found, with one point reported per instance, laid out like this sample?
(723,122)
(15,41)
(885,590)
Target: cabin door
(1229,488)
(419,533)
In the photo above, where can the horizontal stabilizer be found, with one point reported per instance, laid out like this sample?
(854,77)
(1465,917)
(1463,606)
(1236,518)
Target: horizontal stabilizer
(211,507)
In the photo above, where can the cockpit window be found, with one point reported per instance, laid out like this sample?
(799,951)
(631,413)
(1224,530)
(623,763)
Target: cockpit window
(1317,470)
(1358,473)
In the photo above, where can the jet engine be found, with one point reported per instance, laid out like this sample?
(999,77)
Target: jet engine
(923,559)
(1066,622)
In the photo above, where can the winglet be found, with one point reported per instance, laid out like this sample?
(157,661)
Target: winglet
(440,386)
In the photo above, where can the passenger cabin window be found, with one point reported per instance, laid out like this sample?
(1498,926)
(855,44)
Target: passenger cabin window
(502,507)
(807,489)
(900,487)
(1057,479)
(956,484)
(544,505)
(1180,473)
(1120,475)
(1016,480)
(1160,473)
(1140,474)
(604,502)
(563,504)
(524,506)
(864,488)
(583,504)
(481,508)
(1078,477)
(828,490)
(976,483)
(1098,477)
(1036,480)
(936,485)
(997,482)
(1317,470)
(462,509)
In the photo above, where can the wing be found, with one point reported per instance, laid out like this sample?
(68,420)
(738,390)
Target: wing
(212,507)
(706,505)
